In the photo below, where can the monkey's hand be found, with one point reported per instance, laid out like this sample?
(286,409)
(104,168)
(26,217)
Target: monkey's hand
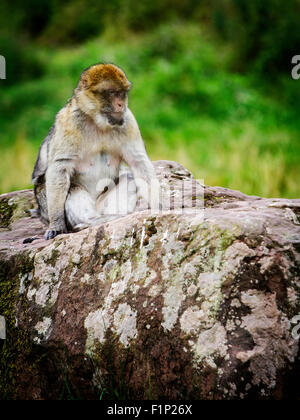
(56,229)
(50,233)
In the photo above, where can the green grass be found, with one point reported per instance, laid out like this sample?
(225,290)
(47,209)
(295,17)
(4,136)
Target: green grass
(229,129)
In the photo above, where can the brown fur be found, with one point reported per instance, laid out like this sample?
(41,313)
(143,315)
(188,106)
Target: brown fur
(104,72)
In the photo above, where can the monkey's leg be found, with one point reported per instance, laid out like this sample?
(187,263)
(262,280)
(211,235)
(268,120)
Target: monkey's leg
(80,208)
(82,211)
(120,200)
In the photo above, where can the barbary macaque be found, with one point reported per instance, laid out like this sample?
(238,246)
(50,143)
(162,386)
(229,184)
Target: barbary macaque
(80,177)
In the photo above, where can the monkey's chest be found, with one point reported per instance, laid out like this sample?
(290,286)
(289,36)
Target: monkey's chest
(96,172)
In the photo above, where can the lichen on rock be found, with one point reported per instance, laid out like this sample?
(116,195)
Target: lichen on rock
(188,303)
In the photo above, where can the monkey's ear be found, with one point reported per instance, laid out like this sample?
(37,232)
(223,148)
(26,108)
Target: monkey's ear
(84,83)
(84,80)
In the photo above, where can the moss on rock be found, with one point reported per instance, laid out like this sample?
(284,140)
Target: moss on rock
(6,212)
(17,346)
(15,207)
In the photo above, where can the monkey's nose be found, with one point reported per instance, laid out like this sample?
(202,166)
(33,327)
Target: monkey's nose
(120,105)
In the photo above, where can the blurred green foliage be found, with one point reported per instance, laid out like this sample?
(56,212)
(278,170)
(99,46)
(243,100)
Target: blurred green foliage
(211,82)
(263,34)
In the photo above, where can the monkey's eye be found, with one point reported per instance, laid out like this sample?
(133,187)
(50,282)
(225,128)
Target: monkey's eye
(108,92)
(122,94)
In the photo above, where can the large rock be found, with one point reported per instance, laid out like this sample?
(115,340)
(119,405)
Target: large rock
(182,304)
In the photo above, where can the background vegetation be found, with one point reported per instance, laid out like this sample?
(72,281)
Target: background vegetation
(212,84)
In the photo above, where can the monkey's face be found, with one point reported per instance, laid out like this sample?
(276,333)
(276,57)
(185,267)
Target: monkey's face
(113,102)
(102,93)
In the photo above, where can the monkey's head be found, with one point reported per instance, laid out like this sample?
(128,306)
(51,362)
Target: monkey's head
(102,93)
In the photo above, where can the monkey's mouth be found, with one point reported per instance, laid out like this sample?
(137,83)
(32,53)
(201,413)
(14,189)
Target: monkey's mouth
(115,118)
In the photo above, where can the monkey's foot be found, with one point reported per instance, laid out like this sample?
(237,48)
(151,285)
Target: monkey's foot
(80,226)
(94,221)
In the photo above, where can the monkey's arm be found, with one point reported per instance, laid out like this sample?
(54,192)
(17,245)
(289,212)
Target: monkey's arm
(57,188)
(135,155)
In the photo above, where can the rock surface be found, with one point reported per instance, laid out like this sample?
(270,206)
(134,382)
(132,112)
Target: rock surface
(190,303)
